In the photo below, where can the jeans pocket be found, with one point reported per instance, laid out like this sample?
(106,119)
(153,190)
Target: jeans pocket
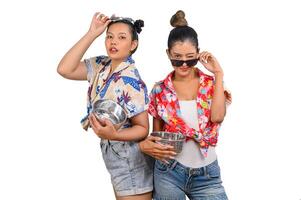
(120,150)
(161,167)
(137,158)
(213,170)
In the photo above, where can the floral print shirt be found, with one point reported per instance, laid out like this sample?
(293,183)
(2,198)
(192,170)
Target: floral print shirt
(124,86)
(164,105)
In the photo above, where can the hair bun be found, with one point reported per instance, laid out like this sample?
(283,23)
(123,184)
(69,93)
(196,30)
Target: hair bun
(178,19)
(138,24)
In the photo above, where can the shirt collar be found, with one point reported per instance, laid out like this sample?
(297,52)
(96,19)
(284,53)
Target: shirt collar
(124,64)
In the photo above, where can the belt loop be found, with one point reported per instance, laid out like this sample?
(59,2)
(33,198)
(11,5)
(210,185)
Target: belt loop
(173,164)
(104,145)
(205,171)
(189,172)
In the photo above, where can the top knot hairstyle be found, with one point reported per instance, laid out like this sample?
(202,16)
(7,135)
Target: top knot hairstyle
(134,26)
(178,19)
(181,32)
(138,24)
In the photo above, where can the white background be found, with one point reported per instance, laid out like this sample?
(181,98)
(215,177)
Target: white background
(45,154)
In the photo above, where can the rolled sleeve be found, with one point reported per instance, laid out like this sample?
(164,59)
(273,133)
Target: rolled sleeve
(89,68)
(93,64)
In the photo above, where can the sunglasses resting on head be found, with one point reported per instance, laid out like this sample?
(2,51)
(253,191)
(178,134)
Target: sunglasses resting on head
(116,18)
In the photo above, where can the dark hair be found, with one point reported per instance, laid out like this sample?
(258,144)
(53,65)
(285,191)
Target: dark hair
(135,27)
(182,31)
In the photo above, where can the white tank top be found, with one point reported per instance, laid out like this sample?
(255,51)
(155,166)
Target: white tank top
(190,155)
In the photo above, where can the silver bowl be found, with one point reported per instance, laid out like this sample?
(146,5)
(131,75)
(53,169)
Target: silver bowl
(110,110)
(174,139)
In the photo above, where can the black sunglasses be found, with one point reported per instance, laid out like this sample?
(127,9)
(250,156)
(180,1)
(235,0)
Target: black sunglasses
(189,63)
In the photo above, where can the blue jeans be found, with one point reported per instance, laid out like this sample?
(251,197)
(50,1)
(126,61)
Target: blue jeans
(173,181)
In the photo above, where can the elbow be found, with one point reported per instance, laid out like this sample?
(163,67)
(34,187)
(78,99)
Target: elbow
(217,119)
(146,132)
(218,115)
(60,70)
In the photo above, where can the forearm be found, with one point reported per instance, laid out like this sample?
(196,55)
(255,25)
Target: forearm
(134,133)
(158,124)
(218,106)
(72,58)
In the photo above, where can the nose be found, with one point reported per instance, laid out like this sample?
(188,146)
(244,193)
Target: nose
(113,42)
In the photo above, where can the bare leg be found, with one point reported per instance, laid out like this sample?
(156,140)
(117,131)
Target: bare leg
(145,196)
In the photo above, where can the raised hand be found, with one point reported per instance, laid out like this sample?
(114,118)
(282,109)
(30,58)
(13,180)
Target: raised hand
(99,24)
(210,62)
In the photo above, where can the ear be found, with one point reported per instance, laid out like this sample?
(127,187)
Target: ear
(134,45)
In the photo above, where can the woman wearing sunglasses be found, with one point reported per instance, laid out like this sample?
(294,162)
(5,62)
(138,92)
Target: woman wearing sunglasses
(193,103)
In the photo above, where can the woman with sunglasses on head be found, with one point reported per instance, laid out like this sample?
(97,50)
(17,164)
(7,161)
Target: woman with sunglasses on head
(192,103)
(116,78)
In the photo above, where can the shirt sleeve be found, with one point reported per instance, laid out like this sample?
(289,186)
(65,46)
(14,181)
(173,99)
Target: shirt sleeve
(92,65)
(152,109)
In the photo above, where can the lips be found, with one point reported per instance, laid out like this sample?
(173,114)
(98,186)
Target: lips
(113,50)
(184,68)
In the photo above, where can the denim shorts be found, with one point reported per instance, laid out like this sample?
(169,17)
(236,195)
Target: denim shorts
(131,170)
(173,181)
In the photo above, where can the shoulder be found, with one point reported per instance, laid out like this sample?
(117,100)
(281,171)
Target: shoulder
(157,88)
(205,76)
(101,59)
(97,60)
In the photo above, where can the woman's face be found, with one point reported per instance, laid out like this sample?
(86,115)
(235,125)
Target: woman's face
(183,51)
(119,42)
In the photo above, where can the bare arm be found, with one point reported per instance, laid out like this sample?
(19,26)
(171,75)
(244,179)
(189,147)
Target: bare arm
(138,131)
(70,66)
(105,129)
(218,106)
(158,124)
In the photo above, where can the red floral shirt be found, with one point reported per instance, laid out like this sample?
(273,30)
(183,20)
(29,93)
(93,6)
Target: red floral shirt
(164,105)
